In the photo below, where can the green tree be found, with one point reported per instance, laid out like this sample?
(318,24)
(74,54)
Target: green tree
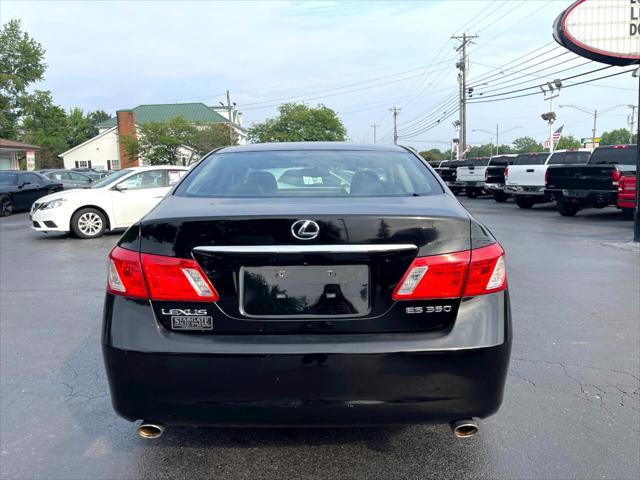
(526,145)
(432,155)
(568,141)
(94,118)
(162,143)
(297,122)
(210,136)
(46,125)
(485,150)
(21,64)
(618,136)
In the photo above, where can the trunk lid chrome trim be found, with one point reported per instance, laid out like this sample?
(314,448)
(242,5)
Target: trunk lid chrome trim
(340,248)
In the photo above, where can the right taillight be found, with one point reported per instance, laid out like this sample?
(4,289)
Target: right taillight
(546,178)
(487,271)
(156,277)
(506,173)
(468,273)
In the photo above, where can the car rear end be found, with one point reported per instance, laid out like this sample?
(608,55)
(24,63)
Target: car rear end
(494,176)
(594,184)
(627,194)
(306,309)
(471,175)
(448,173)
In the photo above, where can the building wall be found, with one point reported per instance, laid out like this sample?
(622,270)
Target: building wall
(98,151)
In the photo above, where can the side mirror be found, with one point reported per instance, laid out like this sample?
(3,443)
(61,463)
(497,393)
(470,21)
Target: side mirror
(121,187)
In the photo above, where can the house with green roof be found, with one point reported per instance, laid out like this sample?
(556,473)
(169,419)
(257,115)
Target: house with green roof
(105,152)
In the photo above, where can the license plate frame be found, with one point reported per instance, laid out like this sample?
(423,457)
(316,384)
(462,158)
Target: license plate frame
(305,291)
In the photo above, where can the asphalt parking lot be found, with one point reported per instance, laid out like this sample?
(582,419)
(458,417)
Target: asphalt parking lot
(571,407)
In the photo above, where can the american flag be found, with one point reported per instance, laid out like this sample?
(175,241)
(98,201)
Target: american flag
(556,137)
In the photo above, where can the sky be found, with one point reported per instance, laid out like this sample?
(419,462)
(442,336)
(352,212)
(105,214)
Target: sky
(358,58)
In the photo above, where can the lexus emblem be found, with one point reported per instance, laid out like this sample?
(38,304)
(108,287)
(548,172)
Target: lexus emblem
(305,229)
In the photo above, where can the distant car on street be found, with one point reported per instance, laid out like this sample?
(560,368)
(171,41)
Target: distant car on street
(114,202)
(575,187)
(69,178)
(18,190)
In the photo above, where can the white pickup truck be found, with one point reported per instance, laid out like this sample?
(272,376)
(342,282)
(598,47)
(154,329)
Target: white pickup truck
(525,179)
(471,175)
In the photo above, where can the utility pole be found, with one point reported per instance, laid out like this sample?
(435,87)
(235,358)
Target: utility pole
(375,128)
(497,140)
(395,111)
(229,111)
(462,65)
(593,131)
(632,121)
(553,91)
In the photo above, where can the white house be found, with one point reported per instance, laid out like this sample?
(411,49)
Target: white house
(104,152)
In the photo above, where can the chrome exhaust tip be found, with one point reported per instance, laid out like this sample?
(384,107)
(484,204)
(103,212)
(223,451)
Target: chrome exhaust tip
(150,430)
(465,428)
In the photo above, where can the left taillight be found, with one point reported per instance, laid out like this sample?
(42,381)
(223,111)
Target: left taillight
(157,277)
(460,274)
(615,177)
(125,274)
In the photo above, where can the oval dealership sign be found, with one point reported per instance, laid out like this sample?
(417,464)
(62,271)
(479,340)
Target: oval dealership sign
(607,31)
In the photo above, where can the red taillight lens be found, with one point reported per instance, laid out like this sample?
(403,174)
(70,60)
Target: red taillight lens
(439,276)
(487,271)
(468,273)
(506,173)
(125,274)
(615,177)
(546,178)
(158,278)
(170,278)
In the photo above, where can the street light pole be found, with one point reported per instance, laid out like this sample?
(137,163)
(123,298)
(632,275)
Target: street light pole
(497,140)
(593,132)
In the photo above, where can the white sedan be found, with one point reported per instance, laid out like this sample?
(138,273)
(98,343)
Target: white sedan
(116,201)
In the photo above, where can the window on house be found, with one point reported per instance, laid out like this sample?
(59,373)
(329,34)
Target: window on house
(82,164)
(113,164)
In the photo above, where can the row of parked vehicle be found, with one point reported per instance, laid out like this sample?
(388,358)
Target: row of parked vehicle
(574,179)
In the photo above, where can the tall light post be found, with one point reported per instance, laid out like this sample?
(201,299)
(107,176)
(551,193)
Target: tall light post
(595,114)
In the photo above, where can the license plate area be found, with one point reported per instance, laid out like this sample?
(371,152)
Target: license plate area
(305,291)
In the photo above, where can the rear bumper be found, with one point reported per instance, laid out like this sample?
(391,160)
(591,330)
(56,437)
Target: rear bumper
(627,200)
(494,187)
(472,183)
(584,198)
(187,379)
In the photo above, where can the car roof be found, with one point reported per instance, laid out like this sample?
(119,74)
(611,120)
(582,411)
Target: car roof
(157,167)
(344,146)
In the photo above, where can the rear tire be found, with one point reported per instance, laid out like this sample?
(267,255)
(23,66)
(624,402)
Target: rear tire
(627,213)
(500,196)
(88,223)
(566,209)
(472,193)
(525,202)
(6,206)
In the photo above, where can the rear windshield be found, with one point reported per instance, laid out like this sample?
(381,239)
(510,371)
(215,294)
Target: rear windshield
(501,160)
(622,156)
(531,159)
(568,158)
(477,162)
(8,178)
(309,173)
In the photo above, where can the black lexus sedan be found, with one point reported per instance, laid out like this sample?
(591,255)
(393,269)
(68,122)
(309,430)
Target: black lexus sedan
(18,190)
(309,284)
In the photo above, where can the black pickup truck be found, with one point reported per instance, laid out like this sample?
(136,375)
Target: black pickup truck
(494,176)
(595,184)
(448,172)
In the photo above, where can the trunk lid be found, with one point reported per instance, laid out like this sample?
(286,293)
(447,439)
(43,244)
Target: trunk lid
(341,282)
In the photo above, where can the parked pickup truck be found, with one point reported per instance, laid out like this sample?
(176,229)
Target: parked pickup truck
(526,180)
(447,171)
(494,176)
(593,185)
(472,174)
(627,194)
